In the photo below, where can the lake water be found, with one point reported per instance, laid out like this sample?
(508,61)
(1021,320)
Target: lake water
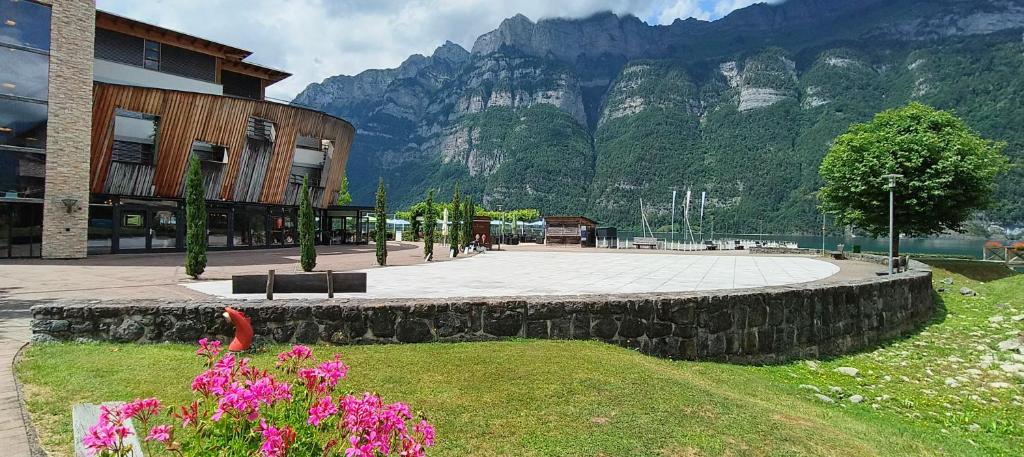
(971,247)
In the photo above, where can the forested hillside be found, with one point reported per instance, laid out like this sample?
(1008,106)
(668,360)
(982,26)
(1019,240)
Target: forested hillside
(588,116)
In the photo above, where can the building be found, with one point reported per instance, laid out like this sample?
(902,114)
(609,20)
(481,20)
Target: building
(101,114)
(569,230)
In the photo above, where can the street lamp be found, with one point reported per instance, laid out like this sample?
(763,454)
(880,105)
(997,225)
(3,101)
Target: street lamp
(892,186)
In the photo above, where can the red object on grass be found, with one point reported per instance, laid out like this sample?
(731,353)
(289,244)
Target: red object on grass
(243,330)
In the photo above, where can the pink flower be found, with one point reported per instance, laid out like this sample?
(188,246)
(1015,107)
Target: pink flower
(322,409)
(424,428)
(208,348)
(292,359)
(109,432)
(161,433)
(324,378)
(100,437)
(142,409)
(188,416)
(275,440)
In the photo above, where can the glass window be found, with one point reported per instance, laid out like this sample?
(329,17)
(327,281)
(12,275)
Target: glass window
(26,231)
(208,152)
(22,174)
(25,73)
(217,225)
(152,55)
(101,229)
(250,226)
(25,23)
(135,137)
(22,123)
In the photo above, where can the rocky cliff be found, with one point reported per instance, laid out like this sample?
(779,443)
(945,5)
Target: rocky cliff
(587,115)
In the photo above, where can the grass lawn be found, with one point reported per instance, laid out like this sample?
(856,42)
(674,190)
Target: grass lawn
(940,392)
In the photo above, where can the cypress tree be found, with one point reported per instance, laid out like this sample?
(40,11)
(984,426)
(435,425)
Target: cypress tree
(307,230)
(468,211)
(454,232)
(429,224)
(381,235)
(195,218)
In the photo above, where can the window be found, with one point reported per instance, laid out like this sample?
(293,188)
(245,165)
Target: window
(101,229)
(25,24)
(135,137)
(261,129)
(22,174)
(25,73)
(207,152)
(308,160)
(22,123)
(240,85)
(25,62)
(151,58)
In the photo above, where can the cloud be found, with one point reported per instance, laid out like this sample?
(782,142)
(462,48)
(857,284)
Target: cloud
(315,39)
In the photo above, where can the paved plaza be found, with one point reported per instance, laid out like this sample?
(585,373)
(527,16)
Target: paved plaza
(508,273)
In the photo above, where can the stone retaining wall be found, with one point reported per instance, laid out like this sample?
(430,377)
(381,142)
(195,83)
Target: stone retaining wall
(746,326)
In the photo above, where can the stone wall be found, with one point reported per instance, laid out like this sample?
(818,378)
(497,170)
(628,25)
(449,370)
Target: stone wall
(69,129)
(745,326)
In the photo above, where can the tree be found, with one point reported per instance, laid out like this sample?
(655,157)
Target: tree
(429,224)
(454,238)
(948,171)
(195,218)
(344,198)
(307,230)
(381,235)
(468,210)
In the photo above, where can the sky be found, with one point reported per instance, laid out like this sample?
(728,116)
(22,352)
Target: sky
(315,39)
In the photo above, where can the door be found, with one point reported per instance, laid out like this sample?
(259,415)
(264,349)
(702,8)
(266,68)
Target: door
(163,229)
(147,229)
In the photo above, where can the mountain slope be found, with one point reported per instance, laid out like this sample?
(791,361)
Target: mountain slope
(589,115)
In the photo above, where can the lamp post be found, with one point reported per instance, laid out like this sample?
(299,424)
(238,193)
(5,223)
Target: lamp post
(892,187)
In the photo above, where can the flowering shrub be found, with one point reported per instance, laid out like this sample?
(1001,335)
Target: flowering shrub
(242,410)
(1018,246)
(993,245)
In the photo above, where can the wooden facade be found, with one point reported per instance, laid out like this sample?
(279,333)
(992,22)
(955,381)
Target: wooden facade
(186,117)
(570,230)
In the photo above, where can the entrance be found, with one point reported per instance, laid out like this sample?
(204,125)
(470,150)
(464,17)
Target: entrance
(147,229)
(21,230)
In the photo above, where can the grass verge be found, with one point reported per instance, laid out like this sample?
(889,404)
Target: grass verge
(584,398)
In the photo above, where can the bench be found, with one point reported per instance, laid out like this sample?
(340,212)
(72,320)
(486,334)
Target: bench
(839,253)
(641,241)
(308,283)
(85,415)
(710,246)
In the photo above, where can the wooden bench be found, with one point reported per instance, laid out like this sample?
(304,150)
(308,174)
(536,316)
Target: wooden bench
(641,241)
(839,253)
(307,283)
(85,415)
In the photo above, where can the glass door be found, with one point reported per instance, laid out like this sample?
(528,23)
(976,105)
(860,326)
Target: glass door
(163,229)
(132,231)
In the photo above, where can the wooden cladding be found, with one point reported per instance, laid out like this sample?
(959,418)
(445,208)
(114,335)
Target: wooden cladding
(186,117)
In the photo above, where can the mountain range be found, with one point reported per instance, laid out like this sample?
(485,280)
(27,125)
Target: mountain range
(587,116)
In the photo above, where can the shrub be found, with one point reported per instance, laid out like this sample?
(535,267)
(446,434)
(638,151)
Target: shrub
(240,409)
(993,245)
(195,220)
(380,235)
(429,225)
(307,230)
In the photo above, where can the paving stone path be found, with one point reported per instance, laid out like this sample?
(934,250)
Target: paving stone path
(567,273)
(14,332)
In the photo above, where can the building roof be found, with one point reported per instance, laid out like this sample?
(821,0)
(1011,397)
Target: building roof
(569,219)
(233,57)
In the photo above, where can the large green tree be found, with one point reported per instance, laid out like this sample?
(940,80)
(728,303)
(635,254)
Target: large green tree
(195,220)
(344,197)
(381,233)
(429,224)
(307,230)
(948,172)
